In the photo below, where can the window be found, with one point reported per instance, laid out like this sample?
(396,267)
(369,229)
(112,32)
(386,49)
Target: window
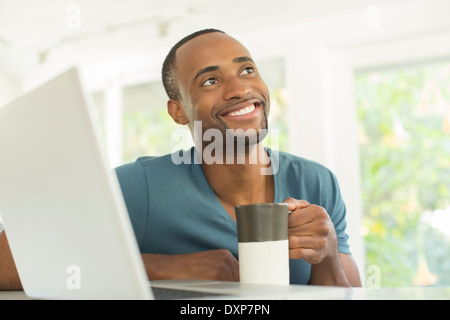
(404,138)
(147,127)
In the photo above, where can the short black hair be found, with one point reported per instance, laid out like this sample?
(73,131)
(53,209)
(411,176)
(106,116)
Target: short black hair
(169,69)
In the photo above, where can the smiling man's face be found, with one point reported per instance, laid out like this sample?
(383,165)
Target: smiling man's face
(220,84)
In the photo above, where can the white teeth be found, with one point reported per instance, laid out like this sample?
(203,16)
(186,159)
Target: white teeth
(243,111)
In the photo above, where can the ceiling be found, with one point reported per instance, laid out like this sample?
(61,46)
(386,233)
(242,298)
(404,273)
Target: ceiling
(31,32)
(36,34)
(25,23)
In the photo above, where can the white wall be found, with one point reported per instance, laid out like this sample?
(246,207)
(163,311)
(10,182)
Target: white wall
(9,89)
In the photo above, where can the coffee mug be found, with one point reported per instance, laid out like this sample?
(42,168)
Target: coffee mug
(263,245)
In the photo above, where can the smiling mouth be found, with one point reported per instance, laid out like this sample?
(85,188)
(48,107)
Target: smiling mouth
(249,108)
(243,111)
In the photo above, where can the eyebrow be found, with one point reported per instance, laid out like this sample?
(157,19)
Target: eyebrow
(215,68)
(205,70)
(242,59)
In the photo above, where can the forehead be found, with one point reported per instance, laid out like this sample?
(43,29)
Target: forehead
(211,49)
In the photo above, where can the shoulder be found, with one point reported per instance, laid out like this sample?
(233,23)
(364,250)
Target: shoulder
(307,179)
(132,174)
(294,165)
(153,169)
(143,164)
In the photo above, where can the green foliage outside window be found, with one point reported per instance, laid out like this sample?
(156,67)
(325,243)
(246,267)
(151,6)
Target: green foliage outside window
(404,137)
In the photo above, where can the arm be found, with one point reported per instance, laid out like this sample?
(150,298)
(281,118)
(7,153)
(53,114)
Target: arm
(209,265)
(9,278)
(218,265)
(350,269)
(336,272)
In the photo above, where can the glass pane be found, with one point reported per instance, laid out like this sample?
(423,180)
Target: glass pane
(404,138)
(274,75)
(147,127)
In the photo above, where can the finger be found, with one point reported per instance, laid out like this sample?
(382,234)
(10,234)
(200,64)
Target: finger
(301,218)
(308,242)
(294,204)
(312,214)
(233,268)
(235,272)
(231,276)
(227,273)
(230,268)
(301,253)
(302,242)
(227,266)
(309,255)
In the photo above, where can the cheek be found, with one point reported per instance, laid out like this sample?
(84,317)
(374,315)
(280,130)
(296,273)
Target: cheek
(190,106)
(195,112)
(264,90)
(200,108)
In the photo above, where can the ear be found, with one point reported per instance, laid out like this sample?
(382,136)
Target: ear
(177,112)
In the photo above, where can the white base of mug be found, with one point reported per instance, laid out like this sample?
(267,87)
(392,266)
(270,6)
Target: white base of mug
(264,262)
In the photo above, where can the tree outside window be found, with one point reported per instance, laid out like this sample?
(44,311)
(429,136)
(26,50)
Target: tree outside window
(404,139)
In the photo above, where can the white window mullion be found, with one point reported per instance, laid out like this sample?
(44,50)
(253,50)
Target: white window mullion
(113,122)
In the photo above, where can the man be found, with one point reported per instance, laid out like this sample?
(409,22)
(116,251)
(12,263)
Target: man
(183,213)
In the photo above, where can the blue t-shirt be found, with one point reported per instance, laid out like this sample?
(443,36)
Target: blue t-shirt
(173,209)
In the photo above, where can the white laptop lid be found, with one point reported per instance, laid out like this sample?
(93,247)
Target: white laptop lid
(63,211)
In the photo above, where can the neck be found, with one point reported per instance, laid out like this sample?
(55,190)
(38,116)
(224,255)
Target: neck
(240,180)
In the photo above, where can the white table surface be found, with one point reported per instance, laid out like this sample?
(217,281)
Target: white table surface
(413,293)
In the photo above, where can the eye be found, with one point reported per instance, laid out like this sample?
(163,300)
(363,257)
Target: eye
(210,82)
(247,70)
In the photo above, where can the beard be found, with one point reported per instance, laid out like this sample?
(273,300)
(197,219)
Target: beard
(238,145)
(248,137)
(218,141)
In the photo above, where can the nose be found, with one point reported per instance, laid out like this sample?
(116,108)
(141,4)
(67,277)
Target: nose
(236,88)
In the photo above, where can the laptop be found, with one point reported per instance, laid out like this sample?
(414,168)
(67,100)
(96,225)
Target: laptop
(65,217)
